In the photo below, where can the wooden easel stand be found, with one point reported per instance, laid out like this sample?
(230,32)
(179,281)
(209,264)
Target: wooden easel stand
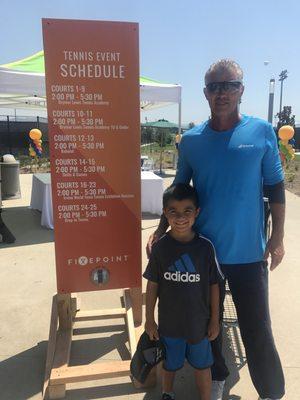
(63,315)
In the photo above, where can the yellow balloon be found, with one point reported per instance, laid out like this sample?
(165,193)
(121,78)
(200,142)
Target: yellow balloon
(35,134)
(286,132)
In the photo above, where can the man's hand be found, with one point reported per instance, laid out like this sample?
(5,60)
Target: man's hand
(151,330)
(213,329)
(275,249)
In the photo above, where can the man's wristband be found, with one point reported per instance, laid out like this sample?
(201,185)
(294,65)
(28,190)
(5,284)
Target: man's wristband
(275,193)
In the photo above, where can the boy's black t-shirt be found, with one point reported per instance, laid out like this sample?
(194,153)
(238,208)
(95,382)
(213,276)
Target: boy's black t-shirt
(184,273)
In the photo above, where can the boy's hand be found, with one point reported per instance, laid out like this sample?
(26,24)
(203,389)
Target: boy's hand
(152,330)
(213,329)
(152,239)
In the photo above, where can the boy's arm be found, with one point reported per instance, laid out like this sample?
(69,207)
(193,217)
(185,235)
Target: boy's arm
(160,231)
(151,297)
(214,325)
(183,175)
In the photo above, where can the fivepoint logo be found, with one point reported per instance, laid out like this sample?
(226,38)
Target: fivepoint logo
(183,270)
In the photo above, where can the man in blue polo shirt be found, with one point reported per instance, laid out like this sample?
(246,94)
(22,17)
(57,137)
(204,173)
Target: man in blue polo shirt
(232,159)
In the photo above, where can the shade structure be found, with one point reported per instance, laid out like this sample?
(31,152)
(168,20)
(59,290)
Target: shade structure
(22,84)
(161,123)
(154,94)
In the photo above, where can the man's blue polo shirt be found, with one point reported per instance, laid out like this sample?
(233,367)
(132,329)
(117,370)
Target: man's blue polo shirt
(228,170)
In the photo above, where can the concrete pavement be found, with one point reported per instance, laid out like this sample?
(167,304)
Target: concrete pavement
(27,279)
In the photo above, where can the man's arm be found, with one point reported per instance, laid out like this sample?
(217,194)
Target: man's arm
(273,179)
(151,298)
(214,325)
(275,247)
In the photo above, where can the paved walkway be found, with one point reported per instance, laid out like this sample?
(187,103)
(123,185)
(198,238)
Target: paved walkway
(27,279)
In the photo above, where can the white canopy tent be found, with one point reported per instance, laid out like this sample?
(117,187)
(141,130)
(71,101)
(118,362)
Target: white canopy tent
(22,85)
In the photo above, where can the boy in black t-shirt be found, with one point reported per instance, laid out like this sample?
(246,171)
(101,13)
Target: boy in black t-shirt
(183,274)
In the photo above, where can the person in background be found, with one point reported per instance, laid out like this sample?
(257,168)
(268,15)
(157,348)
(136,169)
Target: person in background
(177,140)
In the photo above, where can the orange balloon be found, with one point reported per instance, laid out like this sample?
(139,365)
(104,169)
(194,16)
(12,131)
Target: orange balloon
(286,132)
(35,134)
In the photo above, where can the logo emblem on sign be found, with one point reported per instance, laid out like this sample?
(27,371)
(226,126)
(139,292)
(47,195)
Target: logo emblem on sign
(83,260)
(100,276)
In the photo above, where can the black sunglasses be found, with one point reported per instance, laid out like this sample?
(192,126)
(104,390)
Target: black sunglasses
(226,86)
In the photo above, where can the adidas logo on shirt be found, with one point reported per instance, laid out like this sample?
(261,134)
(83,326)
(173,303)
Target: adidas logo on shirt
(183,270)
(181,277)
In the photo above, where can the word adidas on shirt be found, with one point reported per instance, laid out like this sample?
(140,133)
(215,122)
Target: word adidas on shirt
(182,270)
(181,277)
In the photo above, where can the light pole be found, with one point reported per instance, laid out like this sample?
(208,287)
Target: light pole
(271,100)
(282,76)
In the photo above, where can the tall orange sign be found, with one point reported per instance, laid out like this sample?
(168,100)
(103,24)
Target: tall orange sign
(92,83)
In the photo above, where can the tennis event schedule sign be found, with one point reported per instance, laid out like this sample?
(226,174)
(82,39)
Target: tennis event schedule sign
(92,84)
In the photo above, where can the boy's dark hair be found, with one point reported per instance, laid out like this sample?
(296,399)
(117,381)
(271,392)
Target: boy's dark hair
(180,191)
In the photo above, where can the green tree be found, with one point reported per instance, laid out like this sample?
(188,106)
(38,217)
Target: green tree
(285,117)
(147,135)
(163,137)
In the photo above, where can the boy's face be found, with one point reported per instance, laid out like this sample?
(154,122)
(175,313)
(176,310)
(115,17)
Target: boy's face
(181,215)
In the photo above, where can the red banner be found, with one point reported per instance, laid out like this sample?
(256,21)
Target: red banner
(92,82)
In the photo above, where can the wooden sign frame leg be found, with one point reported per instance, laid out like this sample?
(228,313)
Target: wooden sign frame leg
(63,315)
(59,345)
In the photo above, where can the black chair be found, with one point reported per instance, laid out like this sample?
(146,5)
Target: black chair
(268,219)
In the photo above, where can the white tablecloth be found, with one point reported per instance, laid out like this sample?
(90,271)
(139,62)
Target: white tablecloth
(41,196)
(152,192)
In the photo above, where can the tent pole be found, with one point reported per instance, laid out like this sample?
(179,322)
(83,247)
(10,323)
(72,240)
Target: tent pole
(179,117)
(9,136)
(161,152)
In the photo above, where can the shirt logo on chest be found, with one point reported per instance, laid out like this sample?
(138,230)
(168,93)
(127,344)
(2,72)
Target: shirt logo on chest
(183,270)
(243,146)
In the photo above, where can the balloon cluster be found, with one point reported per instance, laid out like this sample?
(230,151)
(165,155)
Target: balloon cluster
(35,146)
(285,133)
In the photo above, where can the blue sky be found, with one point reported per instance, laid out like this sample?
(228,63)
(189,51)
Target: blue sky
(179,40)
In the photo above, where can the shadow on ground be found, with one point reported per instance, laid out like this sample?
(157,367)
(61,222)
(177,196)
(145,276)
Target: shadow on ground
(150,221)
(29,365)
(165,174)
(25,224)
(149,217)
(21,376)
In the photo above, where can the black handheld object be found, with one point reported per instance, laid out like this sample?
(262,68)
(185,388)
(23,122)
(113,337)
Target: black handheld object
(148,354)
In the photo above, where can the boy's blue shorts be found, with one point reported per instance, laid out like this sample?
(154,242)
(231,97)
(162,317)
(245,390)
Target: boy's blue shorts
(198,355)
